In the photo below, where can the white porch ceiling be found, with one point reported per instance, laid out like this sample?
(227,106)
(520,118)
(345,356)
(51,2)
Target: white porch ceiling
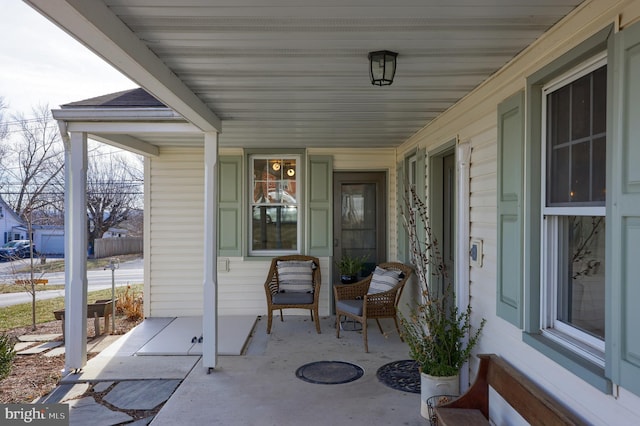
(294,73)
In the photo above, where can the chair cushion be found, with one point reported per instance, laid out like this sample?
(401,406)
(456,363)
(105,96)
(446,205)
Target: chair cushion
(292,298)
(295,276)
(383,280)
(350,306)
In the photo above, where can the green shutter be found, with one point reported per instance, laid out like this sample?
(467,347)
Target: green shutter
(230,206)
(623,211)
(510,208)
(403,254)
(319,221)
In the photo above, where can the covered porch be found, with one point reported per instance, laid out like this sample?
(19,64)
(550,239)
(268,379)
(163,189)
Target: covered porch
(258,386)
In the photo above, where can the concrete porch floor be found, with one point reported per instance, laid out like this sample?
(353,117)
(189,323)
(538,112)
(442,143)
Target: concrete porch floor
(260,387)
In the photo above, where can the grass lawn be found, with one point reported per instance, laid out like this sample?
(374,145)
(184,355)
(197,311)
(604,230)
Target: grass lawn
(14,288)
(20,315)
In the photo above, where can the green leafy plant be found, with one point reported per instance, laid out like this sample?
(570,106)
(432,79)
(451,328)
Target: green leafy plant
(7,354)
(350,266)
(440,337)
(435,334)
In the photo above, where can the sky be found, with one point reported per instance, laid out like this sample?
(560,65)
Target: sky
(40,64)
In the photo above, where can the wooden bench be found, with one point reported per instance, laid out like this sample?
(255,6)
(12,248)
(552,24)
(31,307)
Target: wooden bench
(532,402)
(99,309)
(35,281)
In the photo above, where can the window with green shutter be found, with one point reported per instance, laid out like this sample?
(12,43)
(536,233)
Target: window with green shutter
(581,227)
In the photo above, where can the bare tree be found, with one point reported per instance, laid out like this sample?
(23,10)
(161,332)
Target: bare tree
(113,189)
(31,169)
(31,175)
(4,126)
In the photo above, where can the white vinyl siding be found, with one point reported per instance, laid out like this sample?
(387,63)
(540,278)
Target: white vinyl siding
(473,119)
(176,197)
(176,200)
(482,205)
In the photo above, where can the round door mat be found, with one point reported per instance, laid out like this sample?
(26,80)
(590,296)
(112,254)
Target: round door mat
(401,375)
(329,372)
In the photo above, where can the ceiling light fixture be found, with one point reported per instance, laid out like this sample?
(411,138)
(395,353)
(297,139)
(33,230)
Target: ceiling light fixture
(382,67)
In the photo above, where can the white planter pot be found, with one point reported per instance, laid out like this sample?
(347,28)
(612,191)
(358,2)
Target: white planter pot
(434,385)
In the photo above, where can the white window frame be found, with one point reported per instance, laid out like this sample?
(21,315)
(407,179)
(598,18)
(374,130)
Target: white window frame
(298,159)
(584,344)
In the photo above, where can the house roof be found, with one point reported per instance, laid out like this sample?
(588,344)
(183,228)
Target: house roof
(295,74)
(6,209)
(134,98)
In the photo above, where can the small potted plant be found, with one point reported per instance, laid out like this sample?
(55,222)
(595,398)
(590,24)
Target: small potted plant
(435,332)
(349,268)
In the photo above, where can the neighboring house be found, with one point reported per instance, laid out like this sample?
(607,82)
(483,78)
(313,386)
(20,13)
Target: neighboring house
(528,163)
(115,233)
(49,240)
(11,226)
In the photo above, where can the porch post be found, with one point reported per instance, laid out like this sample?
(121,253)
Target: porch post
(210,285)
(75,248)
(463,156)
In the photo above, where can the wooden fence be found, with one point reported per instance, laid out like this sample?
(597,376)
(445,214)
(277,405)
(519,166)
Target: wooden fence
(107,247)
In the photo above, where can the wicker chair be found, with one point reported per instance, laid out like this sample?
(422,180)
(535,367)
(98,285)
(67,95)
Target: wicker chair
(277,300)
(353,300)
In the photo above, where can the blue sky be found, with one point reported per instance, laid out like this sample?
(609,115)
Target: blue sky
(41,64)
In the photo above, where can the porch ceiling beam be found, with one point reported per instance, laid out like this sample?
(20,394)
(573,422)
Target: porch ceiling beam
(128,143)
(117,114)
(92,23)
(129,127)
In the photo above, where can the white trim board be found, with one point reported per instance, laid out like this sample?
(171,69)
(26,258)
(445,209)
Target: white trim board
(176,337)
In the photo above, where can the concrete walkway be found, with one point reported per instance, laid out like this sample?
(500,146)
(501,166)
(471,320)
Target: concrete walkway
(259,387)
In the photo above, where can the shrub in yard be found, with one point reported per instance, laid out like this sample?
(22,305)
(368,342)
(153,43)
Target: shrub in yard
(7,354)
(130,304)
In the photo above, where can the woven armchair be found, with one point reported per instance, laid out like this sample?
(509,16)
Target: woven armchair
(353,301)
(279,300)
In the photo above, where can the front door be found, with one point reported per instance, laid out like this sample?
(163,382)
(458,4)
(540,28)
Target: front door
(359,218)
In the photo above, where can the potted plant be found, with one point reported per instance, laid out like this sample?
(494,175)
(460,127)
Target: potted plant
(439,334)
(349,268)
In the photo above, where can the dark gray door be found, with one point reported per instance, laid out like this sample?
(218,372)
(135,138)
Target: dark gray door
(359,218)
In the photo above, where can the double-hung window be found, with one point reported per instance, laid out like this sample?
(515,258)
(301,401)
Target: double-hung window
(573,209)
(274,204)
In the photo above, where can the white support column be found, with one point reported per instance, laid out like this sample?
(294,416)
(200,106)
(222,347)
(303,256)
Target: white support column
(75,242)
(463,157)
(210,285)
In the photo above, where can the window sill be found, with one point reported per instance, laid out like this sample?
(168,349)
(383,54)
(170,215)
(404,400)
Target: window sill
(587,371)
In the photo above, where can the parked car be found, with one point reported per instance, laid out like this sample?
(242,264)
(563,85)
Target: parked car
(17,249)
